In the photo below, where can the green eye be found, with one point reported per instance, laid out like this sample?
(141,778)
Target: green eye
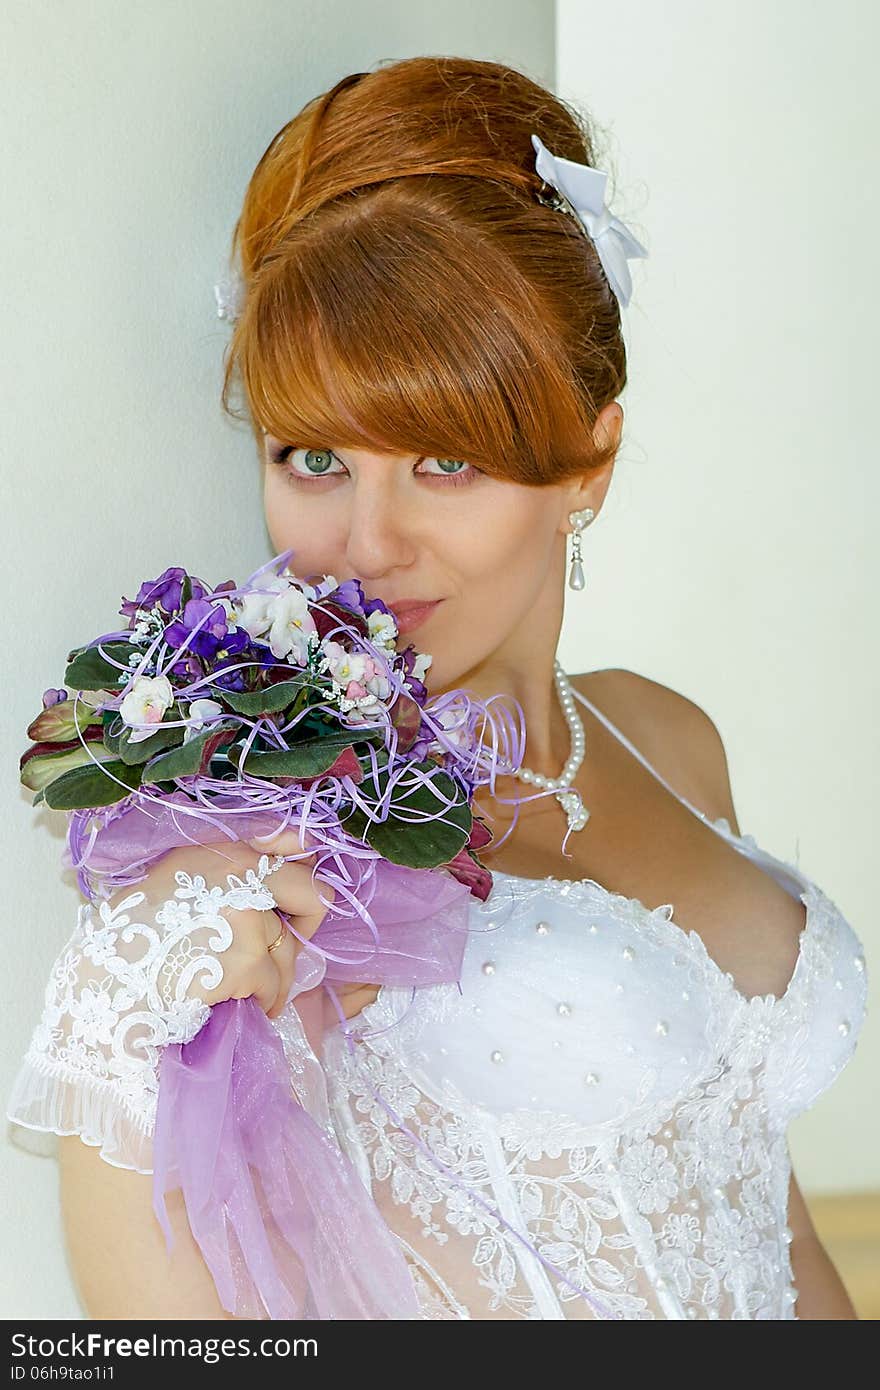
(318,460)
(319,463)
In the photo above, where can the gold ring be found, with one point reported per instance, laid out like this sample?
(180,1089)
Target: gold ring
(279,938)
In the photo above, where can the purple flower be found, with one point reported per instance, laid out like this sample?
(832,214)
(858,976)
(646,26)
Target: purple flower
(207,620)
(417,688)
(239,646)
(350,594)
(214,645)
(188,667)
(53,697)
(229,680)
(166,591)
(376,605)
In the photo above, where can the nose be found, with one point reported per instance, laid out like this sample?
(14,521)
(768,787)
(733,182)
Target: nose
(382,532)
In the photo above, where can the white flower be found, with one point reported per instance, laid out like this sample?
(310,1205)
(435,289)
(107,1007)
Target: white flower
(421,664)
(251,613)
(283,613)
(454,723)
(147,699)
(198,714)
(344,666)
(319,591)
(228,606)
(292,625)
(361,677)
(382,628)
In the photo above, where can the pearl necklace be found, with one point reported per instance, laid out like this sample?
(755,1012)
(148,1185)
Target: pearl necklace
(569,799)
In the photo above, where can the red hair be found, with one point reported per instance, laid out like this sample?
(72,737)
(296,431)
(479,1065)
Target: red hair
(405,292)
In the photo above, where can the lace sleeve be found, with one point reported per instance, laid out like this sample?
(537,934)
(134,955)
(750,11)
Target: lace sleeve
(117,994)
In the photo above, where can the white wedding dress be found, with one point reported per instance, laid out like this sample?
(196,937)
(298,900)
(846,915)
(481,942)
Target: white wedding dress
(596,1110)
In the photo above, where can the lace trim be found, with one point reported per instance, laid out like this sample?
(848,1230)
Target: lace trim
(56,1100)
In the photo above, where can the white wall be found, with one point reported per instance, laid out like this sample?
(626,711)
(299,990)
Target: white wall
(733,559)
(129,132)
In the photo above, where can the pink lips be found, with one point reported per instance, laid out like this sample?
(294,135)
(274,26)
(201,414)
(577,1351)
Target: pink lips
(412,614)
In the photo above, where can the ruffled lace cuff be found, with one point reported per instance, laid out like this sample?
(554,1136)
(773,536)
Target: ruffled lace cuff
(92,1064)
(49,1098)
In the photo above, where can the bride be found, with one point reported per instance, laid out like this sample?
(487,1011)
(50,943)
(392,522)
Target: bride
(428,338)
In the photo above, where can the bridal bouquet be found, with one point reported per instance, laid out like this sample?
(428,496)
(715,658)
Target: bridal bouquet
(234,712)
(272,689)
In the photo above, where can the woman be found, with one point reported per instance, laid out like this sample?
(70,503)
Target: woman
(430,351)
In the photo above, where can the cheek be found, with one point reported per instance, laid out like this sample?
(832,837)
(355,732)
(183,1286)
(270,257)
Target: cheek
(311,533)
(492,546)
(510,550)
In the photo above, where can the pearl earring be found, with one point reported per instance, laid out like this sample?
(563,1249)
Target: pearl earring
(578,521)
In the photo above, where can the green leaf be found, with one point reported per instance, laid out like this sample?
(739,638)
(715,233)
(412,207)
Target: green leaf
(355,824)
(165,736)
(269,701)
(89,671)
(422,844)
(91,786)
(114,728)
(191,758)
(303,760)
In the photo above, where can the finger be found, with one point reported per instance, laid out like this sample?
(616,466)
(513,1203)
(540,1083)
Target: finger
(264,981)
(285,842)
(356,997)
(300,899)
(284,955)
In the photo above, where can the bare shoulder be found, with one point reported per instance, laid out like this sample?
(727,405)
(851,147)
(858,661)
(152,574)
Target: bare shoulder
(673,732)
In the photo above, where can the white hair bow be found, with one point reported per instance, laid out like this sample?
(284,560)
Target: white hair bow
(581,192)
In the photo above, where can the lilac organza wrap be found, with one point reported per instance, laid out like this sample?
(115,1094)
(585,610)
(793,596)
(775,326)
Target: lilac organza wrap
(284,1223)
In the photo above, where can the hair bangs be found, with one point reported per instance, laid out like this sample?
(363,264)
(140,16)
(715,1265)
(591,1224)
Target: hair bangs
(400,333)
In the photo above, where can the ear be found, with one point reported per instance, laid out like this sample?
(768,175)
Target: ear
(590,488)
(609,426)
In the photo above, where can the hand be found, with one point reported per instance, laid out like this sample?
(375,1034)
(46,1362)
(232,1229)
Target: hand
(214,901)
(143,969)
